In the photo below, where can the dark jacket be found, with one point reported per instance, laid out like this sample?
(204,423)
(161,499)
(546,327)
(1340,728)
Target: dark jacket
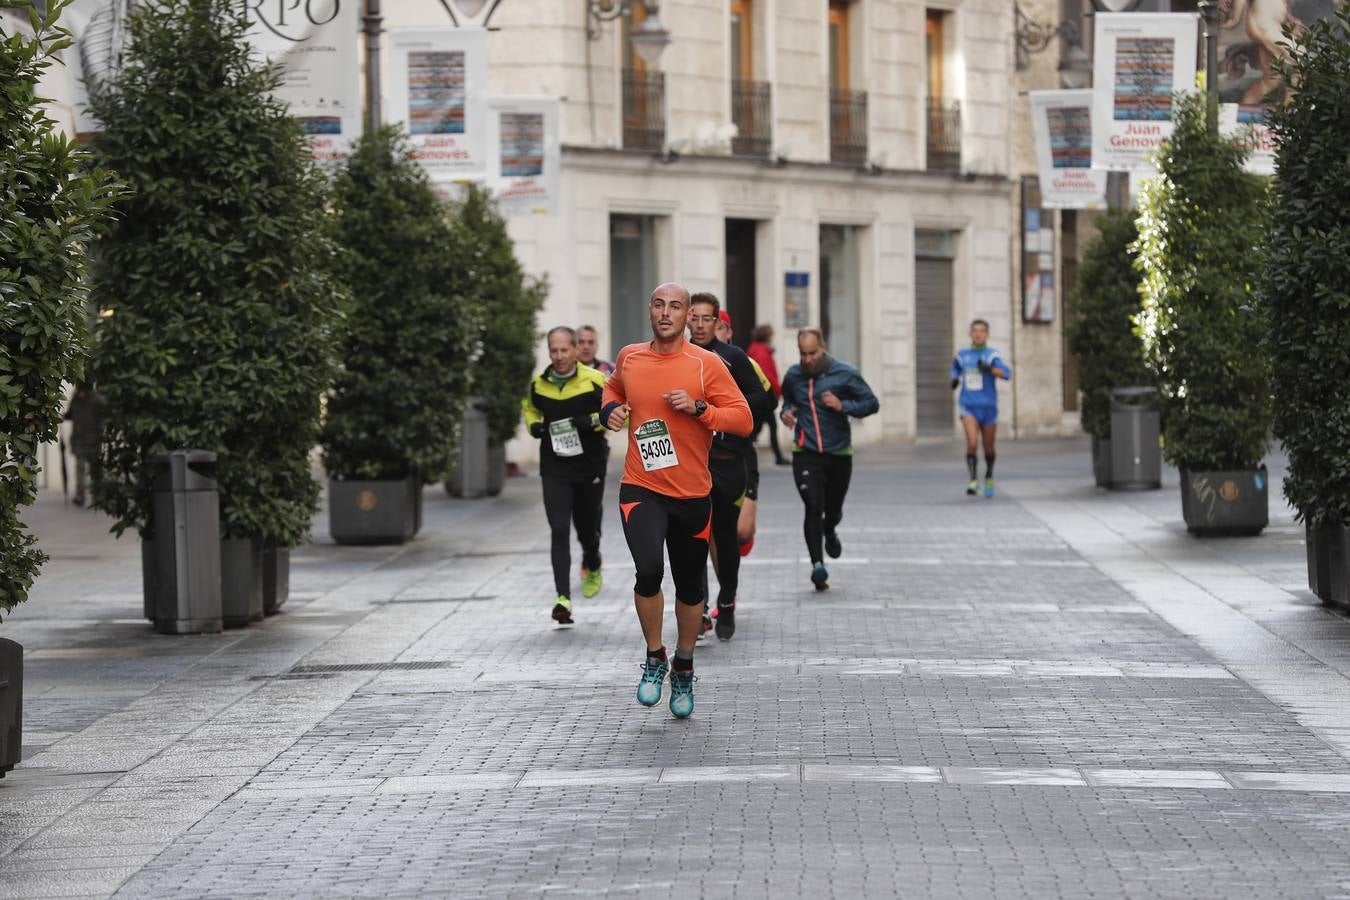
(85,414)
(578,399)
(819,428)
(747,379)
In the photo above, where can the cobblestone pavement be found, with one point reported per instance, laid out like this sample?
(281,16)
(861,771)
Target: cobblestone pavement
(1054,693)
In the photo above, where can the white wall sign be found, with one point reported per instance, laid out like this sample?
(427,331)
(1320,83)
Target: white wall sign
(526,158)
(316,43)
(1062,123)
(438,92)
(1141,60)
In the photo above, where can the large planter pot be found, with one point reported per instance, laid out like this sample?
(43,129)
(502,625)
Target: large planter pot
(1101,461)
(371,512)
(11,705)
(415,497)
(241,581)
(1330,544)
(496,469)
(276,577)
(1225,504)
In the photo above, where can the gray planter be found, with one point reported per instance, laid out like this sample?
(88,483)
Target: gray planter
(1225,504)
(180,555)
(496,469)
(1101,461)
(1329,565)
(276,577)
(371,512)
(415,497)
(11,705)
(241,581)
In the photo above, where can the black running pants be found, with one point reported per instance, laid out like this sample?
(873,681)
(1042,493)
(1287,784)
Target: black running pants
(655,524)
(576,504)
(822,481)
(729,481)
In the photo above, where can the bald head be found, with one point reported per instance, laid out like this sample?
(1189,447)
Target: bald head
(669,308)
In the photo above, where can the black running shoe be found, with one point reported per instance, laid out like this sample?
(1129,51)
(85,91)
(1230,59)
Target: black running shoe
(726,621)
(832,546)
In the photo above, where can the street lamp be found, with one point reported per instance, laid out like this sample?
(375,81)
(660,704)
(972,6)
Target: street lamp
(648,39)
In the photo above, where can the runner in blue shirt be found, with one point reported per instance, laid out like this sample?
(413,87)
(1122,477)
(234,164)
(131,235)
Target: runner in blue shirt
(975,371)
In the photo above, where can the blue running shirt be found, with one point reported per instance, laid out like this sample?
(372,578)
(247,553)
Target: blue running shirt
(978,389)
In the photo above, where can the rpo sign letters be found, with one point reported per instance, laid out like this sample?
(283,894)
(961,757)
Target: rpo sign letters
(292,20)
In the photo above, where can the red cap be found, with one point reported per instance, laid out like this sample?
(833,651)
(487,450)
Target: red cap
(725,317)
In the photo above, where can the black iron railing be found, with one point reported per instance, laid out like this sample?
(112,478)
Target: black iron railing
(644,110)
(750,114)
(848,126)
(944,135)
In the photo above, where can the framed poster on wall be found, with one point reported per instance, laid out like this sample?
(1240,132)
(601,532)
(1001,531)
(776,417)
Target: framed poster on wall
(1038,256)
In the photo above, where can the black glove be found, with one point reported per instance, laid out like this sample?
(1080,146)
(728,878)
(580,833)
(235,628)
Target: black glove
(537,430)
(984,367)
(956,383)
(583,423)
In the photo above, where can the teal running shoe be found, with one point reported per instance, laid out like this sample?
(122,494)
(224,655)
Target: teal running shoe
(649,688)
(682,694)
(820,577)
(989,487)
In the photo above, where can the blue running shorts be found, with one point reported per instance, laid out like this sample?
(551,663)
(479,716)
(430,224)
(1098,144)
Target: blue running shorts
(983,415)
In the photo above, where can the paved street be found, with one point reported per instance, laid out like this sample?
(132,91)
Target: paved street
(1054,693)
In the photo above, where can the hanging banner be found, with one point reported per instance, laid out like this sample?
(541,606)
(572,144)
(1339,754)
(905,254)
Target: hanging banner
(1141,60)
(316,44)
(438,92)
(1247,126)
(526,158)
(1062,124)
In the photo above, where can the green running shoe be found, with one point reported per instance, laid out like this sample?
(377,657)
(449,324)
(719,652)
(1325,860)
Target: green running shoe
(562,610)
(682,693)
(649,688)
(591,582)
(989,487)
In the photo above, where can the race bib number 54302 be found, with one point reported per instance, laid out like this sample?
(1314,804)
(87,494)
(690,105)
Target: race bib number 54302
(655,445)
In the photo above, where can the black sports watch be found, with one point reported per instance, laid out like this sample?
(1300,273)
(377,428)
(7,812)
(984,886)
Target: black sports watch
(699,408)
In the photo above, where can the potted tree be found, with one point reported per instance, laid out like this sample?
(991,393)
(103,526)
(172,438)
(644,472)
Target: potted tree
(220,309)
(1102,333)
(1201,222)
(509,301)
(50,204)
(1306,288)
(404,373)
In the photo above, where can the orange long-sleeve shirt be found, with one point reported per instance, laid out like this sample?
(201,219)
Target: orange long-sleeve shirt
(667,449)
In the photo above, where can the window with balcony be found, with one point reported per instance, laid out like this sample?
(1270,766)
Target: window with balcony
(848,107)
(644,92)
(750,99)
(943,114)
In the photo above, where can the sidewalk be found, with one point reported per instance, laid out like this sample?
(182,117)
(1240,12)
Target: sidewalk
(1054,693)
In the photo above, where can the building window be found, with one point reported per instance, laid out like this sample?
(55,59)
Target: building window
(750,99)
(644,92)
(848,107)
(943,114)
(840,292)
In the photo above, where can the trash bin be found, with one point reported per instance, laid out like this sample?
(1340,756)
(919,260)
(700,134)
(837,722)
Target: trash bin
(1136,457)
(470,478)
(182,556)
(11,705)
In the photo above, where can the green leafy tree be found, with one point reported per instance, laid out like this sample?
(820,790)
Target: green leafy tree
(399,396)
(1101,332)
(50,205)
(1306,284)
(1202,224)
(509,301)
(221,310)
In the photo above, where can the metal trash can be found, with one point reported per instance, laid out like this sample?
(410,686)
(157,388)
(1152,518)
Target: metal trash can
(181,558)
(11,705)
(470,478)
(1136,456)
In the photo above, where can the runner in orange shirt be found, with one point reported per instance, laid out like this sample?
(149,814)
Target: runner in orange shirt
(672,396)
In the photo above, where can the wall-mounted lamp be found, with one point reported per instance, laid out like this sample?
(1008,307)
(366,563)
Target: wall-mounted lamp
(1075,68)
(1032,36)
(648,39)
